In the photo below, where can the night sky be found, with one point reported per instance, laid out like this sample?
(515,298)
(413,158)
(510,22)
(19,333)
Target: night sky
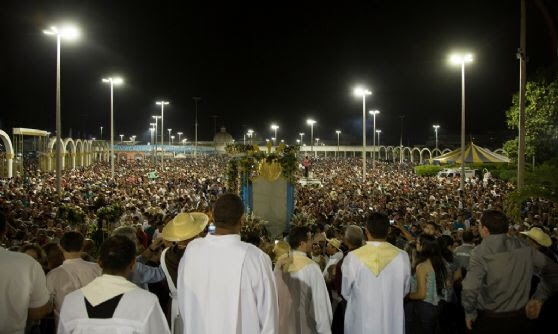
(270,62)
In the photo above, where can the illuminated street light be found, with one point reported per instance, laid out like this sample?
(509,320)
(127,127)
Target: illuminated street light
(436,127)
(179,135)
(162,104)
(169,130)
(338,133)
(274,127)
(301,135)
(378,132)
(121,138)
(112,81)
(363,92)
(311,122)
(374,113)
(462,59)
(67,33)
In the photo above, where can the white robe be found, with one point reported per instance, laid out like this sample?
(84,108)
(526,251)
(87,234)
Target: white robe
(375,303)
(226,286)
(304,306)
(137,312)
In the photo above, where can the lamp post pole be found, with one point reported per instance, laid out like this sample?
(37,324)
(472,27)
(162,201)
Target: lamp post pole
(374,113)
(156,134)
(311,122)
(169,130)
(68,33)
(363,92)
(162,104)
(436,127)
(301,135)
(111,81)
(121,138)
(338,133)
(379,132)
(101,137)
(274,127)
(461,60)
(196,99)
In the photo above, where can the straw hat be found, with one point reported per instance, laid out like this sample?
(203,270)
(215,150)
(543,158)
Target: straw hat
(185,226)
(538,236)
(335,243)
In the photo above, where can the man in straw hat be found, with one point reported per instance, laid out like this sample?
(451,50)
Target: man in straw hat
(180,231)
(226,285)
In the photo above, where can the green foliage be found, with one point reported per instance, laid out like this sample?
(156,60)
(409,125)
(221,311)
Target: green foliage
(542,182)
(541,120)
(71,214)
(110,213)
(247,164)
(427,170)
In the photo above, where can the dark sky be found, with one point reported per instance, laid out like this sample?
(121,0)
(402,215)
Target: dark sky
(255,64)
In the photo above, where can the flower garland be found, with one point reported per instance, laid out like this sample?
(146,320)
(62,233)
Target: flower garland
(72,214)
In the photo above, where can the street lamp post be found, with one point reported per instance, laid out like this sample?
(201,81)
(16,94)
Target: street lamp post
(274,127)
(311,122)
(338,133)
(101,137)
(462,59)
(363,92)
(196,99)
(67,33)
(179,135)
(156,134)
(169,130)
(379,132)
(121,138)
(250,133)
(162,104)
(436,127)
(172,139)
(301,135)
(374,113)
(112,81)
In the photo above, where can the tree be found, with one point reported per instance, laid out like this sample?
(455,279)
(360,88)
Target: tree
(541,120)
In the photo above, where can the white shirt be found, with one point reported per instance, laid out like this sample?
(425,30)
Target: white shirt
(22,286)
(70,276)
(137,312)
(226,286)
(304,307)
(375,303)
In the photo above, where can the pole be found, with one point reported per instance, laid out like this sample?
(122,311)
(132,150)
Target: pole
(58,122)
(111,129)
(522,81)
(312,136)
(363,137)
(374,143)
(401,140)
(337,153)
(462,185)
(162,136)
(196,99)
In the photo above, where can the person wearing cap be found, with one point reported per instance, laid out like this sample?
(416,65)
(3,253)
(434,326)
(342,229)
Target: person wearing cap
(180,231)
(304,305)
(376,279)
(496,289)
(334,253)
(545,317)
(226,285)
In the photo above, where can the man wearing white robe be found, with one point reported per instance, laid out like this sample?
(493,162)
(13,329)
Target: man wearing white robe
(376,279)
(304,305)
(74,272)
(111,303)
(226,285)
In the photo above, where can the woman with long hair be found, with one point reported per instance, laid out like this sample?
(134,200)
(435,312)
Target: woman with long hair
(427,288)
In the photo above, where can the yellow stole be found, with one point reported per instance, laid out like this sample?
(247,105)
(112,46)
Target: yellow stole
(376,257)
(293,262)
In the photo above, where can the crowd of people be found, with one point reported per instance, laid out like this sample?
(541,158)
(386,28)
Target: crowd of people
(397,253)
